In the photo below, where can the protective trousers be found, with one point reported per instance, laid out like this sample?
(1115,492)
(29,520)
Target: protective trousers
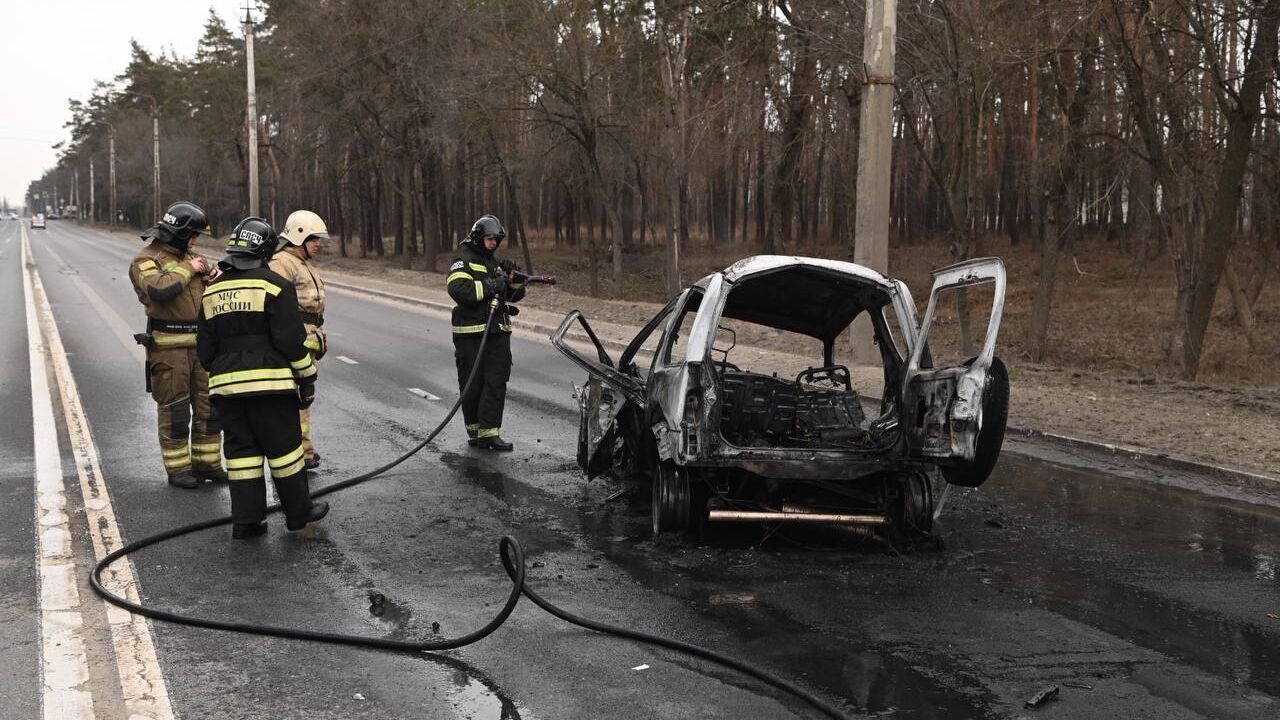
(258,429)
(190,433)
(482,404)
(304,419)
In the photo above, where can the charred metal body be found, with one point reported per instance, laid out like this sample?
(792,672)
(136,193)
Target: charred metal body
(720,442)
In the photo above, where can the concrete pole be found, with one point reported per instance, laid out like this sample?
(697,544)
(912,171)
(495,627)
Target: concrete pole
(251,115)
(155,144)
(75,190)
(875,144)
(111,180)
(93,216)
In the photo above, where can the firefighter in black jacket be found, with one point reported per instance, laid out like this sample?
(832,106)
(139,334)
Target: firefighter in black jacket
(477,278)
(252,342)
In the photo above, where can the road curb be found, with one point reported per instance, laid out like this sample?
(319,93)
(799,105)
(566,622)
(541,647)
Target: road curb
(1160,459)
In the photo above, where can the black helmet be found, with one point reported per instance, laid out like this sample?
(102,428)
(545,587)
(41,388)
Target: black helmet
(181,221)
(484,227)
(252,243)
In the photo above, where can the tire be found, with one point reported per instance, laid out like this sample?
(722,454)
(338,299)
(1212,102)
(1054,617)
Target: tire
(908,503)
(670,507)
(995,415)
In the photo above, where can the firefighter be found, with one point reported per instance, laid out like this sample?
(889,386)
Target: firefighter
(253,343)
(477,278)
(302,234)
(169,281)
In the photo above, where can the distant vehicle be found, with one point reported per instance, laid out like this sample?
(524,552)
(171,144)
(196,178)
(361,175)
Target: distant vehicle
(55,215)
(9,216)
(37,222)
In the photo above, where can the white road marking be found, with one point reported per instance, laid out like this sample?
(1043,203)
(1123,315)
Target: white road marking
(145,695)
(423,394)
(348,360)
(64,666)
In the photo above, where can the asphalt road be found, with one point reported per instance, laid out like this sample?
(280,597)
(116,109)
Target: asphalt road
(1135,597)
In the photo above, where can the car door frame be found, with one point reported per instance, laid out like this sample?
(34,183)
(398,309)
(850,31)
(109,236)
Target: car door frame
(966,384)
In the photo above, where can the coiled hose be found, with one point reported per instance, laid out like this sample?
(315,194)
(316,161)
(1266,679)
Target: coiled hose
(513,562)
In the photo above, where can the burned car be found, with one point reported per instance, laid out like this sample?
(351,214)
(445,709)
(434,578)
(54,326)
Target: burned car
(721,440)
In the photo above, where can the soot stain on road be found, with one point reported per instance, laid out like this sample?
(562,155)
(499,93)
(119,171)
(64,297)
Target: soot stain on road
(874,679)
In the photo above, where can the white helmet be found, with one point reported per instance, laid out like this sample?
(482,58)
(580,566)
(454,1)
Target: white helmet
(303,224)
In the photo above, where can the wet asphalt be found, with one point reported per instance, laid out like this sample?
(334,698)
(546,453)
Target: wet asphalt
(1137,597)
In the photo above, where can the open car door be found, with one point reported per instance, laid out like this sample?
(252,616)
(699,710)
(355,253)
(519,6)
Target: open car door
(605,393)
(957,413)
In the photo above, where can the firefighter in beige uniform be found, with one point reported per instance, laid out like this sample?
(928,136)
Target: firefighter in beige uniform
(169,281)
(302,234)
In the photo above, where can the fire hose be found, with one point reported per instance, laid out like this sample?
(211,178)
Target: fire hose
(509,550)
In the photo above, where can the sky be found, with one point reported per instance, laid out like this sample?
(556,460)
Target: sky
(53,50)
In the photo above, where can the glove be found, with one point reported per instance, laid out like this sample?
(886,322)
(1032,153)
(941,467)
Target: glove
(507,266)
(306,394)
(495,287)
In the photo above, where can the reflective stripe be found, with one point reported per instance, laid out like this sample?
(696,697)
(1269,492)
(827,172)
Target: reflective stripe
(467,329)
(242,375)
(479,290)
(457,276)
(185,273)
(173,464)
(277,462)
(479,268)
(267,285)
(206,447)
(473,427)
(306,428)
(303,364)
(488,432)
(167,340)
(244,462)
(253,387)
(504,328)
(293,469)
(174,452)
(312,344)
(148,273)
(250,474)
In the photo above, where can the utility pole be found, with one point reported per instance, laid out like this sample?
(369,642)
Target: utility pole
(251,112)
(92,207)
(875,145)
(75,189)
(111,143)
(155,144)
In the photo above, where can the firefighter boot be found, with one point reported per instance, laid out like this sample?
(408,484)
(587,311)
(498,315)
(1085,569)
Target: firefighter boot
(295,498)
(184,479)
(213,474)
(248,508)
(312,462)
(494,442)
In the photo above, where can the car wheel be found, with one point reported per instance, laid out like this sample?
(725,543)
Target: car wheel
(995,415)
(671,499)
(908,503)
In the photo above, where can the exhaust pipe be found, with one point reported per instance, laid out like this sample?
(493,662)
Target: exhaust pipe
(795,517)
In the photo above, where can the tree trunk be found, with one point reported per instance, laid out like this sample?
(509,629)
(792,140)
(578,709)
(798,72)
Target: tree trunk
(1199,259)
(1038,330)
